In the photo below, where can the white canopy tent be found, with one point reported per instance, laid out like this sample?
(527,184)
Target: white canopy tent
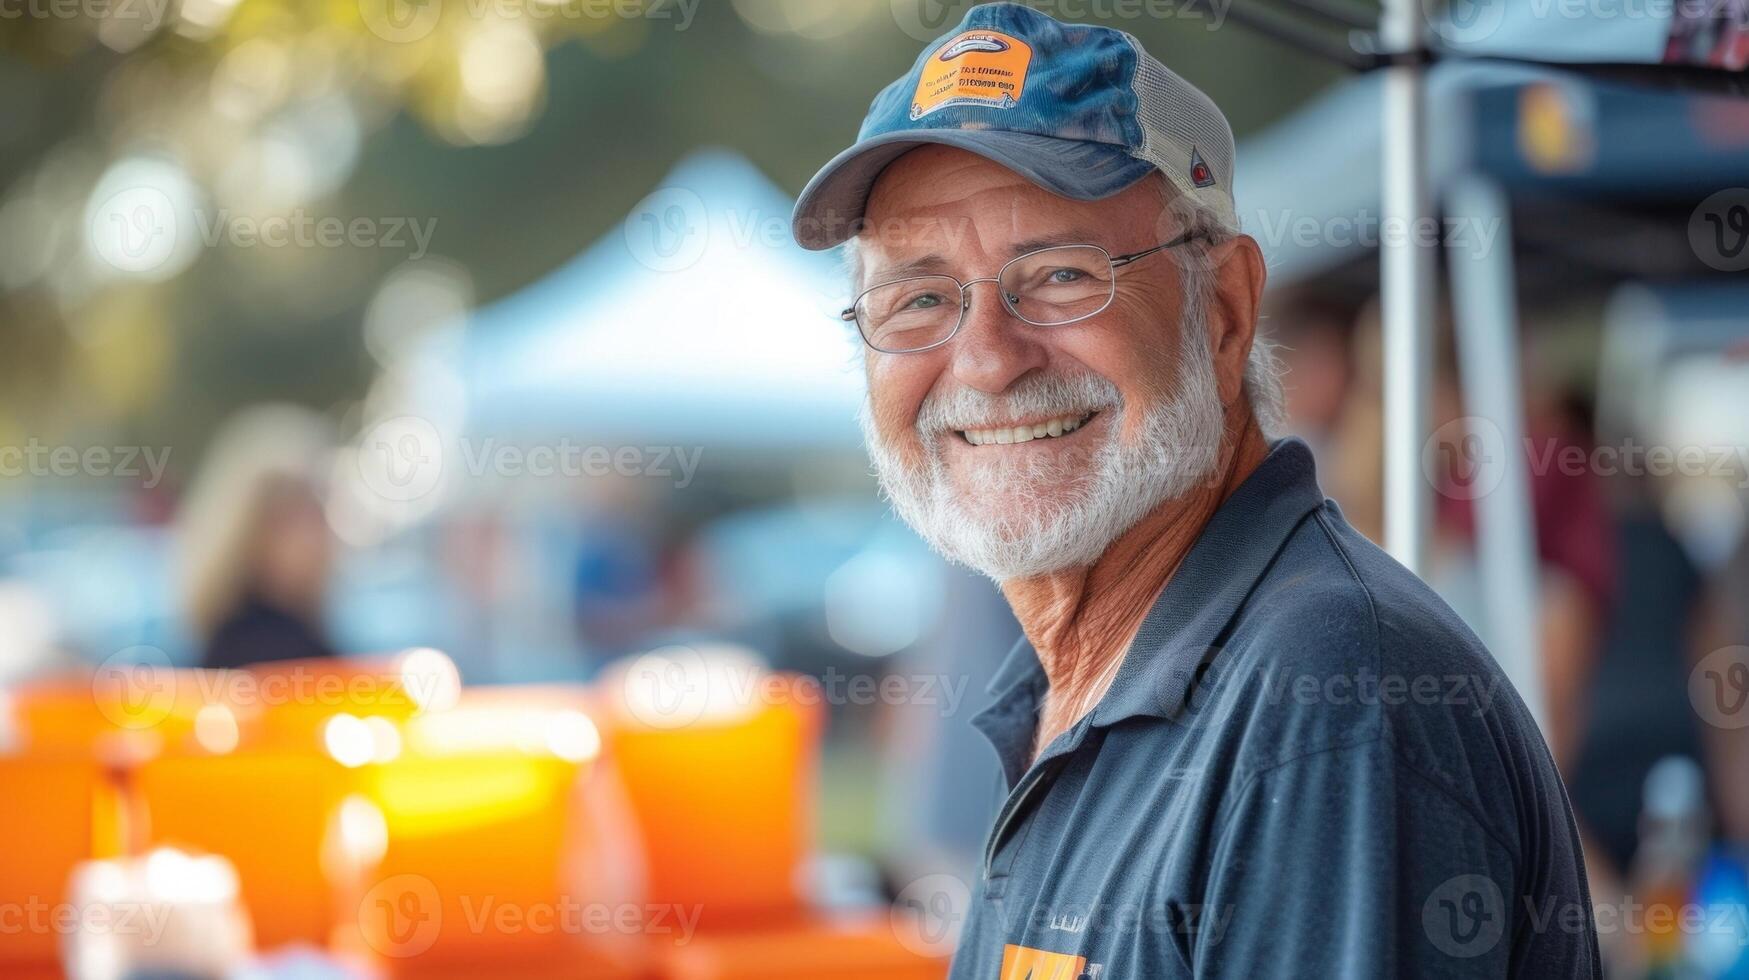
(696,321)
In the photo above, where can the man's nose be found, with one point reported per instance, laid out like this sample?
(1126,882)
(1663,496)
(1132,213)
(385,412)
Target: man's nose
(993,346)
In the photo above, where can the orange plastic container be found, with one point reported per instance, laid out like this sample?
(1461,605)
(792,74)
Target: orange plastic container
(119,715)
(499,844)
(274,815)
(287,704)
(725,807)
(816,950)
(59,812)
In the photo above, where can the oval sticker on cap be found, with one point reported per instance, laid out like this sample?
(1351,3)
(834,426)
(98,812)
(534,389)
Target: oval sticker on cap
(982,42)
(983,68)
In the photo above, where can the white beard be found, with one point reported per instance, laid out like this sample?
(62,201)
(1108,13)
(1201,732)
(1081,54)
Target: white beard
(1051,516)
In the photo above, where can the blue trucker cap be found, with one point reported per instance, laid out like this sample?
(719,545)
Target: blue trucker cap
(1079,110)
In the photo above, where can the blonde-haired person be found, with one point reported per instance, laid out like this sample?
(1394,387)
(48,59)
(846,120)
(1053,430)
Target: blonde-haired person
(255,545)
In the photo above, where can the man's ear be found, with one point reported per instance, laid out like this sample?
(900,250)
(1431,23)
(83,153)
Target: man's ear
(1232,323)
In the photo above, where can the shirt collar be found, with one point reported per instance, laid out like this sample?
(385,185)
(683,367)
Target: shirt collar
(1209,588)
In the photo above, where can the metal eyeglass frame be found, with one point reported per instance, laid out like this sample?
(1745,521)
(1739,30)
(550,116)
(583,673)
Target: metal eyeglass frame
(848,314)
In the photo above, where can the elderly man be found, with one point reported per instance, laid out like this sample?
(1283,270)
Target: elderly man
(1238,740)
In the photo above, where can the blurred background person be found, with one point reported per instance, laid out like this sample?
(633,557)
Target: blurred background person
(256,547)
(1312,339)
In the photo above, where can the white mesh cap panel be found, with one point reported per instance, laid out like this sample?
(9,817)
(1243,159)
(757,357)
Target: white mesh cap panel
(1178,120)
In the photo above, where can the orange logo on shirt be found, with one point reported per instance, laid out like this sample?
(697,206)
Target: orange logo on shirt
(986,68)
(1025,963)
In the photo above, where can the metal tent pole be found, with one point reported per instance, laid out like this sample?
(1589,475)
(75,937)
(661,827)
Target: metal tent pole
(1405,286)
(1498,482)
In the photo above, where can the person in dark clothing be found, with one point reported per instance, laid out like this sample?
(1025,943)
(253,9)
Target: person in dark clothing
(1640,710)
(257,548)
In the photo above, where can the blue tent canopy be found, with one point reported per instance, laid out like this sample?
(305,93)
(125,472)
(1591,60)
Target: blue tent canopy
(1304,181)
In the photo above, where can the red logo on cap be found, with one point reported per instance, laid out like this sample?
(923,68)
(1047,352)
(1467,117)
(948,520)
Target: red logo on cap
(1200,174)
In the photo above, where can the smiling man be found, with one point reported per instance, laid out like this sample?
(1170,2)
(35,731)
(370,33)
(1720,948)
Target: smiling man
(1237,739)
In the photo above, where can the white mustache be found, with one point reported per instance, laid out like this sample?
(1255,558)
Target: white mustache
(960,408)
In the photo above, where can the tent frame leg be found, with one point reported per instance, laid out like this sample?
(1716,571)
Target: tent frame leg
(1498,476)
(1406,286)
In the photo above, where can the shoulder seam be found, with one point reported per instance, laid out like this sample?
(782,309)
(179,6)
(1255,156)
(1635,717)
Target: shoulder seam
(1397,759)
(1378,642)
(1463,804)
(1372,609)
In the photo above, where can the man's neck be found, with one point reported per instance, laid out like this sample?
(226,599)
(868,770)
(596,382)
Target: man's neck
(1081,620)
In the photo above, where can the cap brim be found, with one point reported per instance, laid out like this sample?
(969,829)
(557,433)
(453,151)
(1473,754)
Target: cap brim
(832,205)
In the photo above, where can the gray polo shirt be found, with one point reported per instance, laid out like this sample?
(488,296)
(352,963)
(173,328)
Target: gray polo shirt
(1307,766)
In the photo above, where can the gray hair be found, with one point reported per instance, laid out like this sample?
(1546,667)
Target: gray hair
(1263,368)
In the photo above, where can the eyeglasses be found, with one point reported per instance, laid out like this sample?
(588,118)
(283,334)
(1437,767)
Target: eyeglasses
(1049,287)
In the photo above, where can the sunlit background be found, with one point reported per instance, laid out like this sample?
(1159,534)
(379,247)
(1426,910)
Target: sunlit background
(454,359)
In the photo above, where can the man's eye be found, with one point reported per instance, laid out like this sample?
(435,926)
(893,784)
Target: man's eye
(924,301)
(1065,275)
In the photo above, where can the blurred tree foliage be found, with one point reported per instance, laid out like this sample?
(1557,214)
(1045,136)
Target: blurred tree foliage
(599,108)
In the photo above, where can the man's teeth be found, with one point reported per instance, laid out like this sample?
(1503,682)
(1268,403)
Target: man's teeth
(1025,433)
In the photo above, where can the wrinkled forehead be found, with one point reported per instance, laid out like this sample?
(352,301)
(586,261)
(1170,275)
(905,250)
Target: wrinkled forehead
(959,209)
